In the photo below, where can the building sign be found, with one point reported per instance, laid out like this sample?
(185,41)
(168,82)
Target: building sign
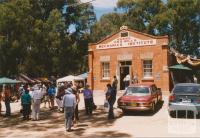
(126,42)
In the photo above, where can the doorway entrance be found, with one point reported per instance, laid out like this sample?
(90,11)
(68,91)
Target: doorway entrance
(125,70)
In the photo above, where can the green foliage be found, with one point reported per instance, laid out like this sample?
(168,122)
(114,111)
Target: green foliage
(179,19)
(108,24)
(35,37)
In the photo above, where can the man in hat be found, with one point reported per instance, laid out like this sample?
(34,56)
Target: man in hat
(69,104)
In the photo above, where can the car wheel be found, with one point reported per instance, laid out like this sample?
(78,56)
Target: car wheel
(172,114)
(124,111)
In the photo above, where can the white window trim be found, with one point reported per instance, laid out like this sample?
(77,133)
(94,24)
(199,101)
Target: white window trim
(147,77)
(102,72)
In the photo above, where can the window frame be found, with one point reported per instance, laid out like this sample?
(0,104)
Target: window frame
(147,68)
(103,68)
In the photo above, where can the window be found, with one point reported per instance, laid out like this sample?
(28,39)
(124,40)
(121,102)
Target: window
(147,68)
(124,63)
(136,90)
(105,70)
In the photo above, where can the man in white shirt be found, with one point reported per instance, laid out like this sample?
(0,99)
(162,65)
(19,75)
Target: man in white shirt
(69,104)
(36,99)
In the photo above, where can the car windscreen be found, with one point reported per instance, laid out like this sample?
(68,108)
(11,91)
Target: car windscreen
(132,90)
(187,89)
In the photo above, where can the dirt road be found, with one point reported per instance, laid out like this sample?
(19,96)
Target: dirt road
(130,125)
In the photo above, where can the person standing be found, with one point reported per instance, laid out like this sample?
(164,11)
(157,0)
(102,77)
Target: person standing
(111,98)
(114,83)
(46,98)
(0,98)
(195,79)
(7,99)
(51,94)
(59,98)
(76,93)
(36,96)
(126,81)
(26,104)
(88,98)
(69,104)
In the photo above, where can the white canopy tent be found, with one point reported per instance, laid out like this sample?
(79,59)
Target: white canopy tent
(69,78)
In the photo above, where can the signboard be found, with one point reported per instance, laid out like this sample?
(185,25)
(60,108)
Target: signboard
(126,42)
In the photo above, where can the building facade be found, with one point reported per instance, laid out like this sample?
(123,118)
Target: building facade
(129,55)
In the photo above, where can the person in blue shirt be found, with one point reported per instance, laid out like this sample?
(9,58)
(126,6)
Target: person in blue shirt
(26,104)
(111,98)
(51,93)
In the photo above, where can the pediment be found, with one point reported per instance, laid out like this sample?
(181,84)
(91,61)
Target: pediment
(133,39)
(128,41)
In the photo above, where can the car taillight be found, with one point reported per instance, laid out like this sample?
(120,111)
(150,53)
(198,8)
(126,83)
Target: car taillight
(171,98)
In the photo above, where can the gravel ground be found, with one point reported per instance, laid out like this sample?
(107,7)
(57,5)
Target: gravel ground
(135,124)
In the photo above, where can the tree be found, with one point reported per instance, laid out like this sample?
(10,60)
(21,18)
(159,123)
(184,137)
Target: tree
(108,24)
(14,27)
(35,37)
(180,20)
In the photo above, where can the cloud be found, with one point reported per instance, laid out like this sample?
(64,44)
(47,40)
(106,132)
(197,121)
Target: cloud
(103,3)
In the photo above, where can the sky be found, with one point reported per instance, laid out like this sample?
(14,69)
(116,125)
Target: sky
(102,6)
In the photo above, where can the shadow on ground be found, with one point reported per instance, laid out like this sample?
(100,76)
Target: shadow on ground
(53,122)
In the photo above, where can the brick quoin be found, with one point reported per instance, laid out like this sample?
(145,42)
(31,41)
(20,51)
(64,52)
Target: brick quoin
(140,47)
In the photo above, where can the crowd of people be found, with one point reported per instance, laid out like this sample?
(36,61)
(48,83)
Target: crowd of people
(66,96)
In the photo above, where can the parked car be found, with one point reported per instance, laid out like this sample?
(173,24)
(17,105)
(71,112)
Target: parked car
(184,97)
(141,97)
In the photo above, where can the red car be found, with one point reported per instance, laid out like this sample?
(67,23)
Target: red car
(140,97)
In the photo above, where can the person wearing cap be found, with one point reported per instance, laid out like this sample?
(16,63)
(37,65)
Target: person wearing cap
(88,98)
(69,104)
